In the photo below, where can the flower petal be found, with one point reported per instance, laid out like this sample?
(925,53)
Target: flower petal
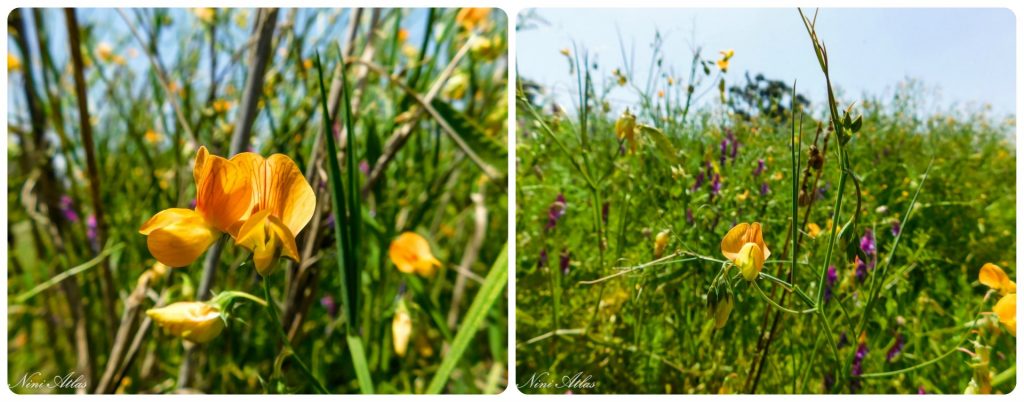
(993,276)
(177,236)
(755,236)
(411,253)
(223,191)
(195,321)
(268,238)
(734,241)
(1006,309)
(280,187)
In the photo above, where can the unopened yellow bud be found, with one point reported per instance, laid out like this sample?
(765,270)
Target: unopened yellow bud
(401,329)
(660,242)
(195,321)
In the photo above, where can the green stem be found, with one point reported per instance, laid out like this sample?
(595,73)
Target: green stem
(272,310)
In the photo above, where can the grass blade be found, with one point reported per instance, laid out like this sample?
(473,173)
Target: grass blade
(493,286)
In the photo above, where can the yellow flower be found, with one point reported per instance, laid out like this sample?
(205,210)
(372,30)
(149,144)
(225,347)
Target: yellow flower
(411,253)
(105,52)
(221,105)
(564,51)
(625,129)
(723,63)
(456,86)
(994,277)
(1006,309)
(282,204)
(178,236)
(205,14)
(403,35)
(661,93)
(470,18)
(743,196)
(813,230)
(13,62)
(660,242)
(401,329)
(745,247)
(153,137)
(195,321)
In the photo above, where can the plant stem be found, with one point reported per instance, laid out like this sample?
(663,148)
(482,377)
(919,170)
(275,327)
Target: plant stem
(283,338)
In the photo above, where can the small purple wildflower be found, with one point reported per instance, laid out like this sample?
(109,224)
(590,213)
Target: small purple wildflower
(895,349)
(760,168)
(330,220)
(843,340)
(830,282)
(895,228)
(716,185)
(542,261)
(555,211)
(725,149)
(563,261)
(699,182)
(67,206)
(764,189)
(328,303)
(858,368)
(364,167)
(862,269)
(734,151)
(92,232)
(867,243)
(920,390)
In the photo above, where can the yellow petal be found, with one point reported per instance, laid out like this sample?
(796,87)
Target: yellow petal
(1006,309)
(195,321)
(994,277)
(411,253)
(279,187)
(268,238)
(401,329)
(750,260)
(178,236)
(223,192)
(734,241)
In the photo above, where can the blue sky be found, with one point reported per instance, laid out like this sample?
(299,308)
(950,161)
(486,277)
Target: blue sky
(963,57)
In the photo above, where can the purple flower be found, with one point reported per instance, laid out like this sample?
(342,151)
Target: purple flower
(830,281)
(862,268)
(895,349)
(760,168)
(699,182)
(555,211)
(920,390)
(67,206)
(542,261)
(563,261)
(725,148)
(689,216)
(364,167)
(716,185)
(92,232)
(330,220)
(867,243)
(857,368)
(895,228)
(764,189)
(735,149)
(328,303)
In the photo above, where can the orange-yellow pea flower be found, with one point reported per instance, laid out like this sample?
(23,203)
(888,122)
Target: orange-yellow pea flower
(411,253)
(1006,309)
(178,236)
(195,321)
(625,129)
(745,247)
(282,205)
(994,277)
(470,18)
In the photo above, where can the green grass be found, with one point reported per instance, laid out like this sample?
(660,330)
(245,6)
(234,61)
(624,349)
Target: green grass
(637,323)
(162,82)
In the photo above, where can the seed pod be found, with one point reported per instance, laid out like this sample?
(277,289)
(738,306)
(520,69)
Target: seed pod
(722,310)
(816,161)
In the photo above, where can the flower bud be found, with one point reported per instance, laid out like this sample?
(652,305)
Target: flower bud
(195,321)
(401,329)
(660,242)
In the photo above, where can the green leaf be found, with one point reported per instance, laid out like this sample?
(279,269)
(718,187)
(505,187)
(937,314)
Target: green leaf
(492,288)
(490,150)
(662,142)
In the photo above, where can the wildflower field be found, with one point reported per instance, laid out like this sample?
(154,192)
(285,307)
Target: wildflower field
(257,201)
(724,234)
